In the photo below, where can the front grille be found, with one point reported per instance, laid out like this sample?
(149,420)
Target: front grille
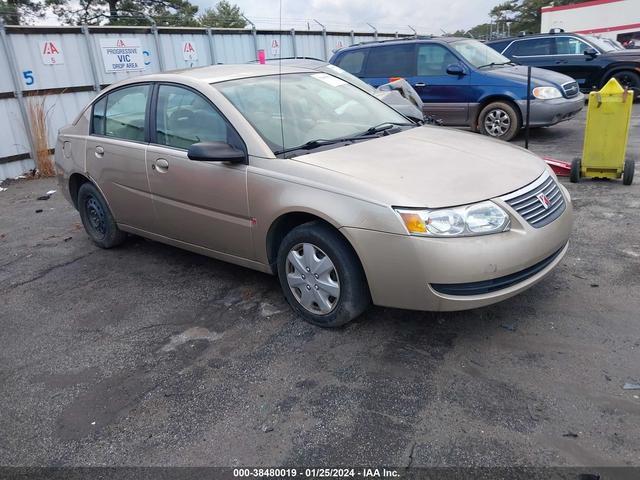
(539,203)
(495,284)
(570,89)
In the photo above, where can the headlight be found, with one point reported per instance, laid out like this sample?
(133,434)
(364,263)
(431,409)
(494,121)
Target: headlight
(469,220)
(546,93)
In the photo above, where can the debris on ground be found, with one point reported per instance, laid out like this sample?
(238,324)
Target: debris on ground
(267,428)
(47,195)
(570,435)
(509,326)
(2,189)
(594,285)
(39,210)
(67,239)
(631,386)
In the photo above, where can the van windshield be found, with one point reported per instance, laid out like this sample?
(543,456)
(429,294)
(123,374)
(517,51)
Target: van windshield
(314,106)
(478,54)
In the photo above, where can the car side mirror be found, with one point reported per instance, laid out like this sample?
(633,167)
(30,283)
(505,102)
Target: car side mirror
(455,69)
(216,152)
(591,52)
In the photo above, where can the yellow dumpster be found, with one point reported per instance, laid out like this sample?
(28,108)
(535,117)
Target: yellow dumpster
(606,134)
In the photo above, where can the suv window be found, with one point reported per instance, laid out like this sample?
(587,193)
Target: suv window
(531,47)
(434,59)
(391,61)
(570,46)
(185,117)
(352,62)
(121,114)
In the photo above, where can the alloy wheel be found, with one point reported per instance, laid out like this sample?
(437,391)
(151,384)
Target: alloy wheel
(312,278)
(497,122)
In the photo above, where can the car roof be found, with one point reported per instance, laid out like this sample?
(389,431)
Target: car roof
(532,36)
(221,73)
(401,41)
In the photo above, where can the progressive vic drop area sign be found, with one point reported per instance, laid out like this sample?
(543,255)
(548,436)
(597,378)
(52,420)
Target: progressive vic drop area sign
(122,54)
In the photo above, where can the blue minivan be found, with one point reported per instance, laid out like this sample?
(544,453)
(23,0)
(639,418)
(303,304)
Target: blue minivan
(466,83)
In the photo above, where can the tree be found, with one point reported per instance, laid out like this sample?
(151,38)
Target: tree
(223,15)
(126,12)
(19,12)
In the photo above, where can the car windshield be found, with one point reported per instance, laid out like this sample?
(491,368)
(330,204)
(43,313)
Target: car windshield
(603,44)
(478,54)
(314,106)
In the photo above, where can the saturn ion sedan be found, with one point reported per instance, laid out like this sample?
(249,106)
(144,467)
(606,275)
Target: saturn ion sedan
(300,174)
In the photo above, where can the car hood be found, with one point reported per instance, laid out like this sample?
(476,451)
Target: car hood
(425,166)
(539,76)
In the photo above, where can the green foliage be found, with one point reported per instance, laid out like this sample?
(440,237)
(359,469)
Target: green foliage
(20,12)
(223,15)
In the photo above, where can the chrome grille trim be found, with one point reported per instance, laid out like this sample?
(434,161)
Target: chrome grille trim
(525,202)
(570,89)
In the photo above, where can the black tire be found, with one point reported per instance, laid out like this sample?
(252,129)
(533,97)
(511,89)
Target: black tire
(97,218)
(628,171)
(574,175)
(347,273)
(630,79)
(499,120)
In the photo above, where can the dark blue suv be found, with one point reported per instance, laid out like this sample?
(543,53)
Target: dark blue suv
(465,82)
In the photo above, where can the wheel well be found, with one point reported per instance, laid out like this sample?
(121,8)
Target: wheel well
(75,182)
(615,71)
(496,98)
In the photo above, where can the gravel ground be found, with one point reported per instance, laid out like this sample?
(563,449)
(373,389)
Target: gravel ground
(149,355)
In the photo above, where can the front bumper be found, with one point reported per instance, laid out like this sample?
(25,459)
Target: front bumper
(406,271)
(549,112)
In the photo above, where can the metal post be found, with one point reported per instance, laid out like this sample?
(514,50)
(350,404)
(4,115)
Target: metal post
(92,60)
(324,39)
(293,43)
(254,33)
(397,35)
(156,39)
(17,88)
(212,47)
(375,32)
(527,127)
(353,37)
(415,33)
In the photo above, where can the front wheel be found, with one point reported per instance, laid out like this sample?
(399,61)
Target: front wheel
(97,218)
(321,276)
(499,120)
(628,171)
(629,79)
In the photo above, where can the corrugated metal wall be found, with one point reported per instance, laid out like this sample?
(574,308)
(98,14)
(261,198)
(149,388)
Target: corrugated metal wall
(69,86)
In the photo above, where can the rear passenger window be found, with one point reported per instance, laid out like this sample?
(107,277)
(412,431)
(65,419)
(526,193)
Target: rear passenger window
(121,114)
(352,62)
(531,48)
(570,46)
(391,61)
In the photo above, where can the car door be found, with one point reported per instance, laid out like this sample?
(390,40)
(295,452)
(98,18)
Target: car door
(388,62)
(198,202)
(574,62)
(445,96)
(537,52)
(115,154)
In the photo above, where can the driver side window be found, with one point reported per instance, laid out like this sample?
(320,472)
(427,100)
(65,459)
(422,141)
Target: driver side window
(433,60)
(185,117)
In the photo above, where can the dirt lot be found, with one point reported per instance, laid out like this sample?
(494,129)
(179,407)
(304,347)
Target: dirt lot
(149,355)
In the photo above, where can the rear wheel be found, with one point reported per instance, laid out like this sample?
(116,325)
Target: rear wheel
(628,171)
(321,276)
(629,79)
(574,175)
(499,120)
(97,218)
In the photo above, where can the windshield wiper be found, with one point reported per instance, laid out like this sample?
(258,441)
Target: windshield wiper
(495,64)
(321,142)
(381,127)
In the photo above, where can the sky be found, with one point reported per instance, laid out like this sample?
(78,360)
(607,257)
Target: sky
(426,16)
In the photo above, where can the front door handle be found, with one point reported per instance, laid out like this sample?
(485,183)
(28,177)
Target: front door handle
(420,84)
(99,151)
(161,165)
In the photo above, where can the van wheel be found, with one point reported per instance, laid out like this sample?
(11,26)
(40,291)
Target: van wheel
(629,79)
(499,120)
(628,171)
(97,218)
(574,174)
(321,276)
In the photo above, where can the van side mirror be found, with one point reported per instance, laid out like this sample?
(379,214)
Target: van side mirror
(455,69)
(216,152)
(591,52)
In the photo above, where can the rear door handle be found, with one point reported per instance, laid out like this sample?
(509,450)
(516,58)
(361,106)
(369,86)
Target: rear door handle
(161,165)
(99,151)
(559,62)
(420,84)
